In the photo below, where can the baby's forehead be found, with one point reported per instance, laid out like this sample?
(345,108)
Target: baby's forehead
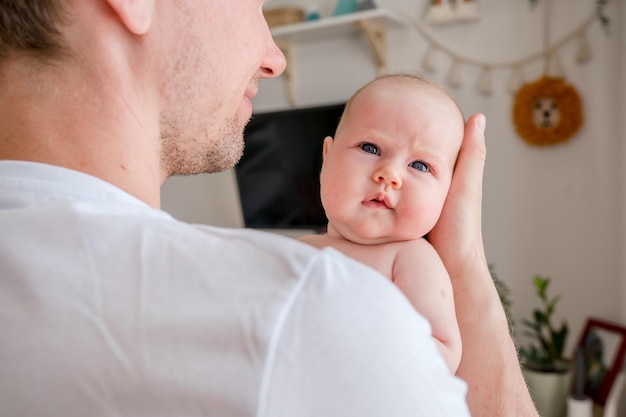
(413,88)
(409,91)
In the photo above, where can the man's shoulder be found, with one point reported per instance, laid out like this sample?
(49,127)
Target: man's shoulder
(263,251)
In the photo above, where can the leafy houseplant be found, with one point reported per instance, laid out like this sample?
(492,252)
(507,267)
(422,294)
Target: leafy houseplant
(545,353)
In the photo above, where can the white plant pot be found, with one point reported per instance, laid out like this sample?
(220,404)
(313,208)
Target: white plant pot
(549,391)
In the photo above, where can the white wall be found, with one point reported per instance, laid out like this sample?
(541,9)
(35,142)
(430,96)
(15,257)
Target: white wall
(621,105)
(211,199)
(556,211)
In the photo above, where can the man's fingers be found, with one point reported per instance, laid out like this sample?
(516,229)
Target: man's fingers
(471,161)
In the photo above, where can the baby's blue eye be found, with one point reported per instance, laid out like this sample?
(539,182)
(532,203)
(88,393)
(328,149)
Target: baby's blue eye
(370,148)
(420,166)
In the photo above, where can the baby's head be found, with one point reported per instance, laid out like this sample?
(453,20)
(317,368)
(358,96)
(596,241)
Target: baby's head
(387,172)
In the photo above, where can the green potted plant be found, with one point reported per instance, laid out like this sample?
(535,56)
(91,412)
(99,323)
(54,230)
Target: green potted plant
(545,352)
(547,371)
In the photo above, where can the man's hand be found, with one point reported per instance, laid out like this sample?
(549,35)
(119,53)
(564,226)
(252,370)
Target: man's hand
(457,237)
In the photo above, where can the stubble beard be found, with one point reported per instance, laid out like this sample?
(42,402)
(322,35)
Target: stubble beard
(194,141)
(207,152)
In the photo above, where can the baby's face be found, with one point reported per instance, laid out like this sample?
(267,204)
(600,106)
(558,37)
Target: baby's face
(387,173)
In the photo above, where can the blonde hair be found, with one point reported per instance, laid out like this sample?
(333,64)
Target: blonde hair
(399,77)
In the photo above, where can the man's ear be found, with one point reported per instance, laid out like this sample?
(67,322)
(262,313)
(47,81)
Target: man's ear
(136,15)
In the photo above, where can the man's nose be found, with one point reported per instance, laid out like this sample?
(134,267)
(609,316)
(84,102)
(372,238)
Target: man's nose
(274,63)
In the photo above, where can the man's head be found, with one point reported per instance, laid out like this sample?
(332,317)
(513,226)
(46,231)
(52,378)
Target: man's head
(387,172)
(213,72)
(169,81)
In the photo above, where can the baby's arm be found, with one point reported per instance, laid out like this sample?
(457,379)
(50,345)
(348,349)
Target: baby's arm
(421,276)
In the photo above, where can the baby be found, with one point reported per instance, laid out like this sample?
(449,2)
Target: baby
(384,180)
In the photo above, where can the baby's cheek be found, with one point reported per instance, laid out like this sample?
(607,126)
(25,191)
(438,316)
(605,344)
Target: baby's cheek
(332,201)
(422,219)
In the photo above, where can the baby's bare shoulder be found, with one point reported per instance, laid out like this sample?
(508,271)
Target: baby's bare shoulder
(416,250)
(419,244)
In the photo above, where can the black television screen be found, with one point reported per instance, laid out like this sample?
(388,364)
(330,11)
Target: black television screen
(278,175)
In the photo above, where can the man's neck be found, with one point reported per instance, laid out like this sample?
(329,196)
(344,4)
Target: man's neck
(53,120)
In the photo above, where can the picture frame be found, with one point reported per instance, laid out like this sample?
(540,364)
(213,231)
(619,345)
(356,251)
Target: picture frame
(604,347)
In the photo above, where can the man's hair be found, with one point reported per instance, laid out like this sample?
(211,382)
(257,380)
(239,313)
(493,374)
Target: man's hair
(30,27)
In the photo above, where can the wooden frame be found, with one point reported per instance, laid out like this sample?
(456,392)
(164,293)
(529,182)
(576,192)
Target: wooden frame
(604,344)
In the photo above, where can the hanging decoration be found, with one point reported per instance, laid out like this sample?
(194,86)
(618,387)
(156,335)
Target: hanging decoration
(549,110)
(439,8)
(444,11)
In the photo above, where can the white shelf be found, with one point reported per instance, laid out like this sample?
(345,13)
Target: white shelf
(372,23)
(336,26)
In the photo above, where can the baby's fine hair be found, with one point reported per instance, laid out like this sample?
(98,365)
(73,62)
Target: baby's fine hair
(408,77)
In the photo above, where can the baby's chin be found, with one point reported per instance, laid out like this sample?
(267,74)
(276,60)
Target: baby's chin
(378,239)
(370,234)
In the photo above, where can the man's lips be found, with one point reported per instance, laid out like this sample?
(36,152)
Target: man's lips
(252,90)
(250,93)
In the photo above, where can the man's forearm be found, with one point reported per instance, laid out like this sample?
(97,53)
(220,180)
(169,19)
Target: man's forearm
(489,363)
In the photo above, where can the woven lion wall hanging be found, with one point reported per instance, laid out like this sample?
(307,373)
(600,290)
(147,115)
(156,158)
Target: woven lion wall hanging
(547,111)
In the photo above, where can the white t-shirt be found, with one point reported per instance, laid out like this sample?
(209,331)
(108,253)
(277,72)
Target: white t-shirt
(111,308)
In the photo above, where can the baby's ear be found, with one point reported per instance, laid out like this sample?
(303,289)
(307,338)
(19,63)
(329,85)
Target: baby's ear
(136,15)
(328,143)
